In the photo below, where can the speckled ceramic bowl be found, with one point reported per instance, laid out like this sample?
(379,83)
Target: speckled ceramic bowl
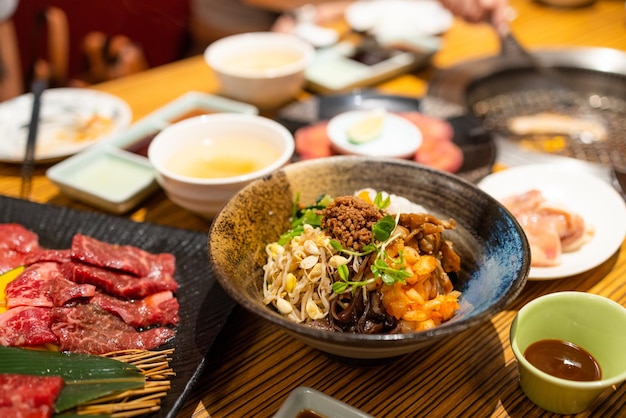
(494,251)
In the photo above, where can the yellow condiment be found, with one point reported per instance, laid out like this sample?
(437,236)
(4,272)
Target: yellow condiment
(367,128)
(5,279)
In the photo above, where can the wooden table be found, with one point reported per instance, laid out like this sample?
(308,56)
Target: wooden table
(253,365)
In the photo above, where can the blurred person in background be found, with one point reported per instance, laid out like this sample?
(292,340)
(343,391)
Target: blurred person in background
(10,68)
(215,19)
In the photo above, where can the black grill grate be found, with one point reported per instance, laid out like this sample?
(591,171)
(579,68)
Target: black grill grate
(578,93)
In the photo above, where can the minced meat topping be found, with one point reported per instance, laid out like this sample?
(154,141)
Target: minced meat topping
(349,220)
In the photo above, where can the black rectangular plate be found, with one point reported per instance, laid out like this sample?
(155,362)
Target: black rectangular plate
(204,307)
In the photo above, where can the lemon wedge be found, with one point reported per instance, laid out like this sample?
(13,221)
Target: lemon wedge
(5,279)
(367,128)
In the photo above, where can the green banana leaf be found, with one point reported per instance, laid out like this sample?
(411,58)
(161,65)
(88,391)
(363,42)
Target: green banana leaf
(86,377)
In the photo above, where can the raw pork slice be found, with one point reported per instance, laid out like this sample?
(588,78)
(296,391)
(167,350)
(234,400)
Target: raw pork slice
(28,396)
(26,326)
(551,230)
(88,329)
(543,240)
(124,258)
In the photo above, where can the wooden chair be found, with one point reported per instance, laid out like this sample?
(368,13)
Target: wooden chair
(54,65)
(11,80)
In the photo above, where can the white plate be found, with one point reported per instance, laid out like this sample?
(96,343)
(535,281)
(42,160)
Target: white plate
(66,122)
(589,196)
(399,18)
(399,138)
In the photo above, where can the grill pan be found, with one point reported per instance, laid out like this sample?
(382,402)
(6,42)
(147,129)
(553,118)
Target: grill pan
(583,83)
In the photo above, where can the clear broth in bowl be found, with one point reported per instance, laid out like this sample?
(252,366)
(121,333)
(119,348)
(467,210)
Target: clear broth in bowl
(226,157)
(261,60)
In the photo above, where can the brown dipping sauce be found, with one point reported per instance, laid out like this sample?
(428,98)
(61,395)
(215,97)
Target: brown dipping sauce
(307,413)
(192,113)
(564,360)
(141,147)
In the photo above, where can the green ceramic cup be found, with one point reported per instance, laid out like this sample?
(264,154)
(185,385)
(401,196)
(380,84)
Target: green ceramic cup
(595,323)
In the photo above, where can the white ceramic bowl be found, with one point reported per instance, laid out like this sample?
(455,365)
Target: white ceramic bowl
(206,196)
(265,69)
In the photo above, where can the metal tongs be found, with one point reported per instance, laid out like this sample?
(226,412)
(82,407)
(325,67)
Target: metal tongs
(510,47)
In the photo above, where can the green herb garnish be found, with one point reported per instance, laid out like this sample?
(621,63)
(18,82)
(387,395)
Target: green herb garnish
(344,275)
(390,275)
(383,229)
(382,232)
(301,216)
(381,203)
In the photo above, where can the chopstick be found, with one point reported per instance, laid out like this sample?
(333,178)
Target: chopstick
(38,86)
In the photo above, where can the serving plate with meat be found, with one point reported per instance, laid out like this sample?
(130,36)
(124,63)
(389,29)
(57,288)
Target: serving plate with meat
(588,213)
(203,307)
(458,144)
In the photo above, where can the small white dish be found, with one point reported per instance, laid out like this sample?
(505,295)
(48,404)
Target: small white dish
(304,398)
(111,179)
(335,69)
(71,120)
(589,196)
(398,138)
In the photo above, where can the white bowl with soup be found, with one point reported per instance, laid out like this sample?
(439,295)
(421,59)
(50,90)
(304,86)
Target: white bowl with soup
(265,69)
(203,161)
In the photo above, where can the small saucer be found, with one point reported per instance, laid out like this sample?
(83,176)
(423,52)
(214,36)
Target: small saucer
(398,138)
(307,399)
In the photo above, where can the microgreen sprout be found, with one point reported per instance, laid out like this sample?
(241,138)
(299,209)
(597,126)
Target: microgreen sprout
(382,231)
(381,203)
(369,248)
(301,216)
(390,275)
(344,275)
